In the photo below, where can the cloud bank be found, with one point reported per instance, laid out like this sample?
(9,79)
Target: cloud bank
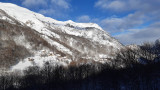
(53,8)
(141,22)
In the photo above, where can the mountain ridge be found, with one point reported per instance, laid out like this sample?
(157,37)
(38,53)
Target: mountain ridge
(58,42)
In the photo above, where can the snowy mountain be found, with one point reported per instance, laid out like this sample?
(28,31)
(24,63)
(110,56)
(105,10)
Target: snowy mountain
(28,38)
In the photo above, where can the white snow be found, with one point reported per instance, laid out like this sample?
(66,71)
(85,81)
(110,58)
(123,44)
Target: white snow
(58,45)
(20,40)
(40,59)
(36,18)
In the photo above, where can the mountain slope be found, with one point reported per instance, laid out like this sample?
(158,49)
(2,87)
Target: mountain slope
(45,39)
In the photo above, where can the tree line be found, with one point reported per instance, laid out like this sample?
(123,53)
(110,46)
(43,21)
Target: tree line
(126,72)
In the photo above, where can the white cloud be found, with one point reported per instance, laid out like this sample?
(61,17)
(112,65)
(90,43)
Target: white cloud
(114,24)
(116,5)
(47,11)
(84,18)
(128,5)
(54,8)
(61,3)
(138,14)
(33,3)
(150,33)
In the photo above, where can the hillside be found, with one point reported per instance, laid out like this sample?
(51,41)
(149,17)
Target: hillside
(28,38)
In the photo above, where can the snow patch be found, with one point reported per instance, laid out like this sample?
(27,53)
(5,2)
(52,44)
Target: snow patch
(40,59)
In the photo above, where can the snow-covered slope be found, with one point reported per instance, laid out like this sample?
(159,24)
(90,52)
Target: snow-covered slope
(71,41)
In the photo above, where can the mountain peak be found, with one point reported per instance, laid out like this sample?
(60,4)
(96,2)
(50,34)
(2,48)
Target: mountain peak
(84,24)
(19,13)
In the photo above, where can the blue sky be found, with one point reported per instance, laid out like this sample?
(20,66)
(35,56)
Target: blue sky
(130,21)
